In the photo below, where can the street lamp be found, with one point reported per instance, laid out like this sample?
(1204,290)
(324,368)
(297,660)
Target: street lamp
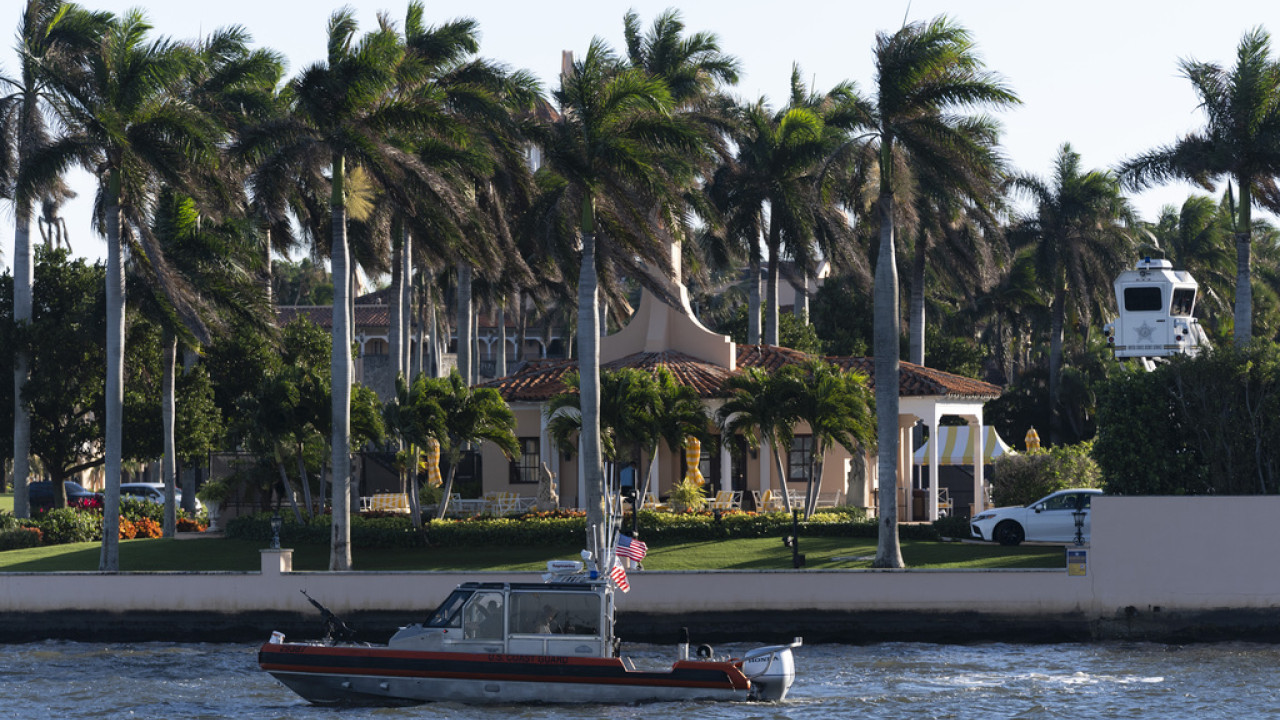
(1079,514)
(276,523)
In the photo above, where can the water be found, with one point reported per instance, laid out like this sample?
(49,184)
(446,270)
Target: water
(902,680)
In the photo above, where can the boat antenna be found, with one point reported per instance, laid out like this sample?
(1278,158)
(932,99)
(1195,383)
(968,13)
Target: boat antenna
(333,624)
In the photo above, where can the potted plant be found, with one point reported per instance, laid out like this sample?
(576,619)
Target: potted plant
(686,495)
(213,493)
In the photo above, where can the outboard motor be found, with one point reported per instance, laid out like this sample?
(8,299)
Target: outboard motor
(771,670)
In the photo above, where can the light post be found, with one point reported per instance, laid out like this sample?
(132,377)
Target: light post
(276,523)
(1079,514)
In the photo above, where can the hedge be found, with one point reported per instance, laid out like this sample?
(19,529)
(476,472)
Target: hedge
(565,528)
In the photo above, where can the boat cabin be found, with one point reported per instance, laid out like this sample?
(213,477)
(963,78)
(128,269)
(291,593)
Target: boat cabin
(557,618)
(1155,321)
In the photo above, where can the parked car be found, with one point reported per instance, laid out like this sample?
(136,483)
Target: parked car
(40,495)
(1049,519)
(153,492)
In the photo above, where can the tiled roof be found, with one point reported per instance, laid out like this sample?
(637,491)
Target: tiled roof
(918,380)
(322,315)
(541,379)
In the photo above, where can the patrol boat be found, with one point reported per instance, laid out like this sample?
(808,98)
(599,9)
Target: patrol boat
(492,642)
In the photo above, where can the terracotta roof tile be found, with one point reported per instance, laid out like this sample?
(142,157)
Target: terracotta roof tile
(322,315)
(541,379)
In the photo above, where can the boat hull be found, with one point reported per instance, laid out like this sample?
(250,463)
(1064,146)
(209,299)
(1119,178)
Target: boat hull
(348,675)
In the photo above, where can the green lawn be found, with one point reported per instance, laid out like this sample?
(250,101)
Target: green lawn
(748,554)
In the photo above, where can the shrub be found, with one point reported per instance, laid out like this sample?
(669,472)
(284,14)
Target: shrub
(687,494)
(8,521)
(953,526)
(1024,478)
(136,509)
(147,528)
(17,538)
(69,525)
(186,524)
(128,530)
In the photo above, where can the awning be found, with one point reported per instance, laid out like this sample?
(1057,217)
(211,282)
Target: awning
(957,446)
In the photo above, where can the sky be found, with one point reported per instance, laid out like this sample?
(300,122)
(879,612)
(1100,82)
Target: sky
(1103,76)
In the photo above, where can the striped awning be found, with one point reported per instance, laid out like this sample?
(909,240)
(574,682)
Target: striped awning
(957,446)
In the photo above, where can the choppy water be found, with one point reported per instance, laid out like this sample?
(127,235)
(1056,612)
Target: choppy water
(901,680)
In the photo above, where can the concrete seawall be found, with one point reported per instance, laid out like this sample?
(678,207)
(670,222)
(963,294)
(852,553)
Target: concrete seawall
(1166,569)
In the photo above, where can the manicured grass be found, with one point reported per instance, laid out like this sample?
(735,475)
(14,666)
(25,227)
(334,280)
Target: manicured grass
(6,502)
(747,554)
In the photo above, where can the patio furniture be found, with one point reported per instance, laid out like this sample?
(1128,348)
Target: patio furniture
(385,502)
(766,502)
(726,500)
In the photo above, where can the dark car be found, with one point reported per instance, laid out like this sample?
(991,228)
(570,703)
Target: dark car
(40,495)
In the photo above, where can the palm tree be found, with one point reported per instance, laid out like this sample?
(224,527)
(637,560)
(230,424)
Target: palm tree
(1081,229)
(466,416)
(762,407)
(955,222)
(925,73)
(1241,142)
(779,169)
(127,125)
(837,407)
(615,151)
(52,34)
(1198,236)
(345,113)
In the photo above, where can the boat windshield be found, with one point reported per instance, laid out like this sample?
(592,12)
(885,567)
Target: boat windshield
(449,612)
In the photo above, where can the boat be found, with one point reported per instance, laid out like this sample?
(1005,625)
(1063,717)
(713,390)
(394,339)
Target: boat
(491,642)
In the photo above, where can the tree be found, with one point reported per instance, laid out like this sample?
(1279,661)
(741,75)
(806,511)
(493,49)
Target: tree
(127,125)
(639,410)
(615,152)
(779,167)
(52,35)
(1240,142)
(344,114)
(836,405)
(762,408)
(467,416)
(1080,228)
(925,73)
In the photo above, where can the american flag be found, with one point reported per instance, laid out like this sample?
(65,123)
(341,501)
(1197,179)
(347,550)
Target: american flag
(619,577)
(631,548)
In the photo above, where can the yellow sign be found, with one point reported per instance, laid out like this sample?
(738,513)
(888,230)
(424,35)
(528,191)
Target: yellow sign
(1077,562)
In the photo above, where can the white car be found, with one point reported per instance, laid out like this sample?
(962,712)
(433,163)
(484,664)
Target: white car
(153,492)
(1049,519)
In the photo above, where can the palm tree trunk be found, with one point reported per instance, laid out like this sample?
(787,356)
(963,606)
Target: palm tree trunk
(522,326)
(304,481)
(406,304)
(885,339)
(288,486)
(753,298)
(396,308)
(169,463)
(775,449)
(447,489)
(771,291)
(340,371)
(1056,331)
(23,280)
(464,323)
(110,558)
(500,360)
(1244,285)
(916,312)
(589,372)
